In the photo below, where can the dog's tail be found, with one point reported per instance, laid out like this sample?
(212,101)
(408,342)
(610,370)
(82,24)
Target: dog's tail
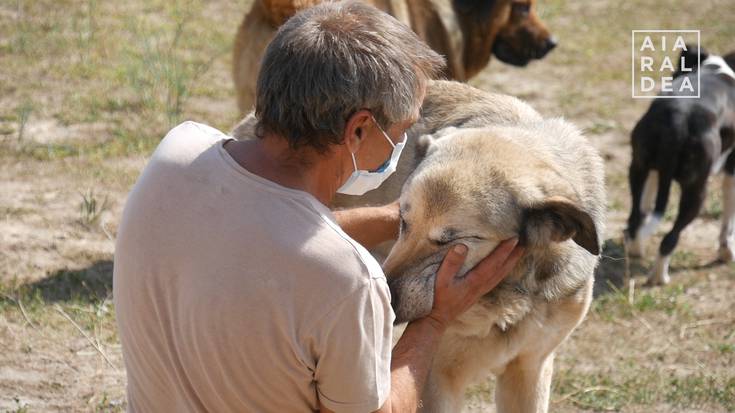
(672,137)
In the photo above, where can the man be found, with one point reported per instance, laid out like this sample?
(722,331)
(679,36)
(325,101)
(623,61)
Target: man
(236,288)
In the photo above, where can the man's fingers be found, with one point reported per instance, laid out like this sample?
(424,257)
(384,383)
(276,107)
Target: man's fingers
(452,263)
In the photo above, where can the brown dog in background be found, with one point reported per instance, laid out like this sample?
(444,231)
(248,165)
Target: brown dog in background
(465,32)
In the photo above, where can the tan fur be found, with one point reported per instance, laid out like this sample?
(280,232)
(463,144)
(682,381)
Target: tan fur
(492,168)
(464,39)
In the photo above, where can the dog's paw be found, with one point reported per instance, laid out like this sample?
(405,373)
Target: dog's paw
(656,280)
(727,253)
(660,274)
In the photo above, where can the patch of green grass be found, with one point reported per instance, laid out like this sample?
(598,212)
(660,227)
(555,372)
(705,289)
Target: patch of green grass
(20,406)
(615,204)
(123,142)
(91,208)
(603,391)
(684,259)
(132,67)
(668,300)
(106,404)
(23,114)
(600,126)
(713,205)
(617,179)
(699,390)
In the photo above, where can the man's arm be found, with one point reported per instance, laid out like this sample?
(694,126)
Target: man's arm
(414,352)
(370,226)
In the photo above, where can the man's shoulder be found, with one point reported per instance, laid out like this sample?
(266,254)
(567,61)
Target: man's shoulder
(186,141)
(341,259)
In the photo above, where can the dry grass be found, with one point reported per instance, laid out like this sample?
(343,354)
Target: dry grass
(89,87)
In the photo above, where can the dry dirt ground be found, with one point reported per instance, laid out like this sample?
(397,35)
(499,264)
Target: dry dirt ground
(87,88)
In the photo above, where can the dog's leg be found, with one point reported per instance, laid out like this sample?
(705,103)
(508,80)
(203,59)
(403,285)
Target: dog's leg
(643,187)
(439,396)
(525,385)
(641,184)
(692,198)
(727,234)
(648,200)
(659,193)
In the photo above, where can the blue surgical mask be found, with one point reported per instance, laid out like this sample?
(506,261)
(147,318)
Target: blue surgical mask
(363,181)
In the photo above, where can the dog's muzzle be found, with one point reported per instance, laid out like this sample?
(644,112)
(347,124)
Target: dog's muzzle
(412,295)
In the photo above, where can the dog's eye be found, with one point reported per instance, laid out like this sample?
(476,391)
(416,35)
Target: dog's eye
(402,226)
(444,241)
(440,242)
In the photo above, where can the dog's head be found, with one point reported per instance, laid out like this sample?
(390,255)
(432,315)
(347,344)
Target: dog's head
(509,29)
(524,36)
(476,190)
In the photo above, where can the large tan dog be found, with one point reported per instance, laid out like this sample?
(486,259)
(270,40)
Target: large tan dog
(481,168)
(465,32)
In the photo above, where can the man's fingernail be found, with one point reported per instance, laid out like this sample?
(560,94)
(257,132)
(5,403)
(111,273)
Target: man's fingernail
(460,249)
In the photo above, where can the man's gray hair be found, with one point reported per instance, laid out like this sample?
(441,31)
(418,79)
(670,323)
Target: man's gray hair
(333,59)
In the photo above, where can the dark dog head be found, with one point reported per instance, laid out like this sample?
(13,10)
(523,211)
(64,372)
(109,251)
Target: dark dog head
(524,37)
(510,29)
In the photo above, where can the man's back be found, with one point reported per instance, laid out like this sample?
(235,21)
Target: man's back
(236,294)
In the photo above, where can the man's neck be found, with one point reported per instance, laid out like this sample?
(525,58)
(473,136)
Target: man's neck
(271,158)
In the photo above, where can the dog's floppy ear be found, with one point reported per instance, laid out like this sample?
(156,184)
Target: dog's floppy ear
(557,219)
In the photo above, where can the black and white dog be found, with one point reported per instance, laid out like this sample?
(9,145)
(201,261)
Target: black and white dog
(685,140)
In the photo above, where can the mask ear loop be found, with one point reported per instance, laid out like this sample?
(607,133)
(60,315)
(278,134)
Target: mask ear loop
(385,135)
(354,163)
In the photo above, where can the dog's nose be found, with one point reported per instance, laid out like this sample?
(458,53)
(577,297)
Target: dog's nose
(545,47)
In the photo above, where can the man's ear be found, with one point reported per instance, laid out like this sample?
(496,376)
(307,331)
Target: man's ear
(558,219)
(355,129)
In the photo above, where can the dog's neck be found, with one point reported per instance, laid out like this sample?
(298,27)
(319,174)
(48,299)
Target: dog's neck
(717,65)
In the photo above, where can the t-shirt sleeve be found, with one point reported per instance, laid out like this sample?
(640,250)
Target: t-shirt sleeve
(353,368)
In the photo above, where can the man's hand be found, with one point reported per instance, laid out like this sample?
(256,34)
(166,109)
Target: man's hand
(453,296)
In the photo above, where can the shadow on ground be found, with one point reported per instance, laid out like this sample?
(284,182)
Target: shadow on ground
(610,272)
(90,284)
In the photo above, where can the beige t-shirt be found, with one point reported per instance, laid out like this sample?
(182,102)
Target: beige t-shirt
(235,294)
